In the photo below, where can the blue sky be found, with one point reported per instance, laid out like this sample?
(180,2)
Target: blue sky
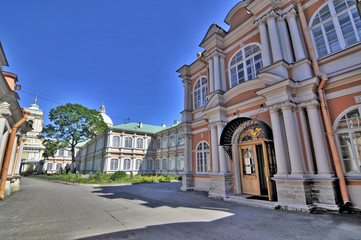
(122,53)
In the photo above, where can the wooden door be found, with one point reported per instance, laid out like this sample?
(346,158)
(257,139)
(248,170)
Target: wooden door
(249,170)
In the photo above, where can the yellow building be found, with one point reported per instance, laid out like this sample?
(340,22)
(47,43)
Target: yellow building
(33,147)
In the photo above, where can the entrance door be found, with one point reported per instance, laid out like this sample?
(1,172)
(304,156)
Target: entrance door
(249,170)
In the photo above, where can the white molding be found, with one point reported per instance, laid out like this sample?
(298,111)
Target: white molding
(343,92)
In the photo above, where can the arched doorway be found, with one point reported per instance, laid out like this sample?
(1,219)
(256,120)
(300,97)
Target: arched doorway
(251,142)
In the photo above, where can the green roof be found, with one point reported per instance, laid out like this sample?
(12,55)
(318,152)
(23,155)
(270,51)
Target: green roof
(146,128)
(82,143)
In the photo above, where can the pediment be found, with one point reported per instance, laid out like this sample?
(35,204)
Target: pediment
(214,100)
(214,29)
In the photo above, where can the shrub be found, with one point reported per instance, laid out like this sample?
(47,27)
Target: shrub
(118,175)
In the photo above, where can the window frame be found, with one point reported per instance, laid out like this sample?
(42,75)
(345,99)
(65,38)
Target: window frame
(204,167)
(243,61)
(125,164)
(142,144)
(203,93)
(113,141)
(349,130)
(117,165)
(334,18)
(125,142)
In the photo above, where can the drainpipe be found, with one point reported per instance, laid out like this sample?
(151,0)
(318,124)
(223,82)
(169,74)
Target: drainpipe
(324,108)
(5,168)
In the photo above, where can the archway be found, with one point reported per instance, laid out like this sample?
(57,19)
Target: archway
(249,143)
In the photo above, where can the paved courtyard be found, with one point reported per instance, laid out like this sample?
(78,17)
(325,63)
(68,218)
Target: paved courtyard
(47,210)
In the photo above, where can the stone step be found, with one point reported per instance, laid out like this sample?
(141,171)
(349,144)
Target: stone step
(244,199)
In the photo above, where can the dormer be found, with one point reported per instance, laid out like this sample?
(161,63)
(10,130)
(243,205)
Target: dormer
(214,37)
(238,15)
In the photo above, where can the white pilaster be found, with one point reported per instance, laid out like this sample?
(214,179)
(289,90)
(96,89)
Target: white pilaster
(187,153)
(293,140)
(306,141)
(281,155)
(187,93)
(214,142)
(285,39)
(274,39)
(295,35)
(211,75)
(221,152)
(223,73)
(266,55)
(318,139)
(217,76)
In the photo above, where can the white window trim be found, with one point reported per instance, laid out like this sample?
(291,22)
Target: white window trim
(201,88)
(208,160)
(337,26)
(244,60)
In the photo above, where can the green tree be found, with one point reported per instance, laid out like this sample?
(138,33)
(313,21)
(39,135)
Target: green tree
(70,125)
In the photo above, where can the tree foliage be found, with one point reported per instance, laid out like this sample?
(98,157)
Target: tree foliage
(70,125)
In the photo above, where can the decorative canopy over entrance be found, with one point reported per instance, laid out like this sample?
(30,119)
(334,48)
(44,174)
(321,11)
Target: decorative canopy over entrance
(250,129)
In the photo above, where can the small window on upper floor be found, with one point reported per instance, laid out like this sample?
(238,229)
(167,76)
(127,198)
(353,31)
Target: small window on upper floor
(128,142)
(200,92)
(245,64)
(140,143)
(336,25)
(116,141)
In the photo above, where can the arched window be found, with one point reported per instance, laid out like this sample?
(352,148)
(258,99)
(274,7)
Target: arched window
(126,164)
(128,142)
(157,164)
(165,142)
(114,163)
(116,141)
(172,140)
(335,26)
(180,163)
(138,164)
(49,166)
(140,143)
(59,166)
(245,64)
(171,163)
(150,164)
(202,157)
(150,144)
(200,92)
(61,153)
(348,131)
(180,138)
(164,164)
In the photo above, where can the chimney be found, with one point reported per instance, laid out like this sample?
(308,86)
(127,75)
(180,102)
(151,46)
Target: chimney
(163,125)
(140,125)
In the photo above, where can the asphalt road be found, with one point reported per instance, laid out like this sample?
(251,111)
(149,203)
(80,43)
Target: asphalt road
(47,210)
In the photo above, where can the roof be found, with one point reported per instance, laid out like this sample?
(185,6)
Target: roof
(146,128)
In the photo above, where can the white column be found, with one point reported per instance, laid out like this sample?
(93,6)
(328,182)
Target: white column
(306,141)
(18,162)
(293,140)
(281,156)
(274,39)
(187,153)
(217,76)
(223,73)
(295,35)
(214,141)
(266,55)
(2,127)
(221,152)
(318,139)
(285,40)
(211,75)
(186,84)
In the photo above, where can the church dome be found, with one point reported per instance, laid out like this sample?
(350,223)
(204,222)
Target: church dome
(106,118)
